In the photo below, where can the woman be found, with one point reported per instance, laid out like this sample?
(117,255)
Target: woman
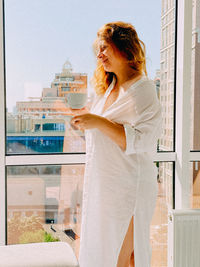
(122,129)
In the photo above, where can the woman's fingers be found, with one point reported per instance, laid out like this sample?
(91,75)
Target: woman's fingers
(75,119)
(79,126)
(84,121)
(78,122)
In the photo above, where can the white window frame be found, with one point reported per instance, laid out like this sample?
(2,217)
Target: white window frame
(2,136)
(183,87)
(182,155)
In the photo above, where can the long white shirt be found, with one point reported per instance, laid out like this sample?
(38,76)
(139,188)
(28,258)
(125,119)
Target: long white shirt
(120,184)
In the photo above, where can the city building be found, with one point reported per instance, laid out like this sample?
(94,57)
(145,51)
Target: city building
(68,81)
(53,101)
(43,124)
(43,196)
(167,73)
(167,88)
(157,82)
(53,195)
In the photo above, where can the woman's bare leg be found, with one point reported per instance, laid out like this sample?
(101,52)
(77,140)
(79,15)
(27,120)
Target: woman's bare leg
(126,255)
(132,260)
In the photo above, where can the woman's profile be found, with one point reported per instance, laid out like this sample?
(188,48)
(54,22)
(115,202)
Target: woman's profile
(122,129)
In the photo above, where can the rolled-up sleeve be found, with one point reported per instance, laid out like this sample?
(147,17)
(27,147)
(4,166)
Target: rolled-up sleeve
(130,136)
(142,136)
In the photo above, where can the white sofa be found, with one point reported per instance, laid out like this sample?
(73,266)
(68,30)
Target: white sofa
(51,254)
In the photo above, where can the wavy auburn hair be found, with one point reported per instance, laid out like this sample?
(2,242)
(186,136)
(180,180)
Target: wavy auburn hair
(124,38)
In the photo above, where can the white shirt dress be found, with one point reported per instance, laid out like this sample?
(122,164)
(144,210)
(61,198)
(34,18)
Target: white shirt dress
(120,184)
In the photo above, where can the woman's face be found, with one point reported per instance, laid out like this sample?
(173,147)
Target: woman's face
(111,60)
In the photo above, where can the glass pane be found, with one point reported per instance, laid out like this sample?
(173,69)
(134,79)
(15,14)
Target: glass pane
(195,79)
(195,184)
(166,74)
(159,225)
(44,204)
(49,55)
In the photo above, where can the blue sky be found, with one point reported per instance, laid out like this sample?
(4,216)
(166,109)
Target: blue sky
(42,34)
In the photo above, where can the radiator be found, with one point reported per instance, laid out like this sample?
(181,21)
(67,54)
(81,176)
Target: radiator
(184,238)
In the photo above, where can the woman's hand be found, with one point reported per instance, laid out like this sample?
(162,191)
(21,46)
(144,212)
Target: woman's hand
(86,121)
(112,129)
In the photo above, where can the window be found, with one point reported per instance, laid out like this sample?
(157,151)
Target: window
(67,88)
(159,225)
(41,146)
(195,80)
(43,201)
(166,77)
(195,184)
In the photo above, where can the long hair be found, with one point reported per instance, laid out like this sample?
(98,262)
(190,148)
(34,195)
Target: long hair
(124,38)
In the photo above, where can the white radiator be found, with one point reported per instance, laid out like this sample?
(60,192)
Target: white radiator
(184,238)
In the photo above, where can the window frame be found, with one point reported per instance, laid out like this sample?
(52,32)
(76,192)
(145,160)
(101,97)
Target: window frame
(2,130)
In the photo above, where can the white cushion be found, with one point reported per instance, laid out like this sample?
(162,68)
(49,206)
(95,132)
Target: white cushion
(51,254)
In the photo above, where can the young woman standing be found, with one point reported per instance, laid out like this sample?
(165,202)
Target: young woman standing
(122,130)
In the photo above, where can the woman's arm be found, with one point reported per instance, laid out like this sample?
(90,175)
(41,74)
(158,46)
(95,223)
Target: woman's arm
(113,130)
(134,138)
